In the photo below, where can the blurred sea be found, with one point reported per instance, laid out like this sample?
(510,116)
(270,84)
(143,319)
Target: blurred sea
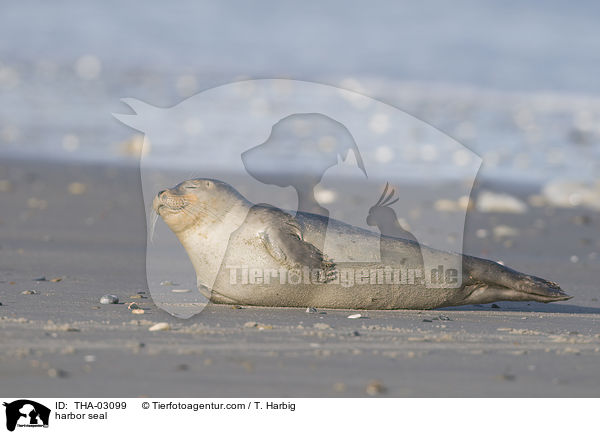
(518,83)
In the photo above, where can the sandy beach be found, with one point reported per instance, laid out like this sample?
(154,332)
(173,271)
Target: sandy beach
(70,233)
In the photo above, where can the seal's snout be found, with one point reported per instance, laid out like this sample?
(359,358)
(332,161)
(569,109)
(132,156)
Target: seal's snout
(161,200)
(156,203)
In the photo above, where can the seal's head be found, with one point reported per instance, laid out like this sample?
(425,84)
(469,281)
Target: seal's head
(196,202)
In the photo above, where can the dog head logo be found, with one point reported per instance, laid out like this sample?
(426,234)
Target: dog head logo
(26,413)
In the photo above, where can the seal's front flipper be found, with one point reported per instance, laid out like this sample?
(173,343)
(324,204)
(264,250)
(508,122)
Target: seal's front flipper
(285,242)
(493,280)
(291,251)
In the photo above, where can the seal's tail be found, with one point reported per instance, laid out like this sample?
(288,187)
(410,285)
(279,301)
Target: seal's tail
(494,281)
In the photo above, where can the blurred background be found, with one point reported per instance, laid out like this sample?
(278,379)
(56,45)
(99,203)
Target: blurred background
(517,83)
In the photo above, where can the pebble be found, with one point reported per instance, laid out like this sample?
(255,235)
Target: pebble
(481,233)
(57,373)
(109,299)
(495,306)
(29,292)
(133,306)
(322,326)
(161,326)
(355,316)
(67,328)
(375,388)
(508,377)
(138,311)
(339,387)
(311,310)
(181,290)
(89,358)
(5,185)
(250,324)
(581,220)
(77,188)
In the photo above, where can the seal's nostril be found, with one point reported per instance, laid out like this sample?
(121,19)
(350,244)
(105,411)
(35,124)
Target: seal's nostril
(161,192)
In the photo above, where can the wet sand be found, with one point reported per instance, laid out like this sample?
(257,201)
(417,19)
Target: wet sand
(60,341)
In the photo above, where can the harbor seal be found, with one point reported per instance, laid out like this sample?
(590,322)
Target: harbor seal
(263,256)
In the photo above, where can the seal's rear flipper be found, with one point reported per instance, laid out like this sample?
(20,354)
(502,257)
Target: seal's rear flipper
(490,280)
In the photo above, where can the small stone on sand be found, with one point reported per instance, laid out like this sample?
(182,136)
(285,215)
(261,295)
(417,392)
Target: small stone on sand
(339,387)
(355,316)
(109,299)
(481,233)
(57,373)
(77,188)
(375,388)
(161,326)
(5,186)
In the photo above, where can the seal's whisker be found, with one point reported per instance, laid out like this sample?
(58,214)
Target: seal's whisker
(207,212)
(154,216)
(202,211)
